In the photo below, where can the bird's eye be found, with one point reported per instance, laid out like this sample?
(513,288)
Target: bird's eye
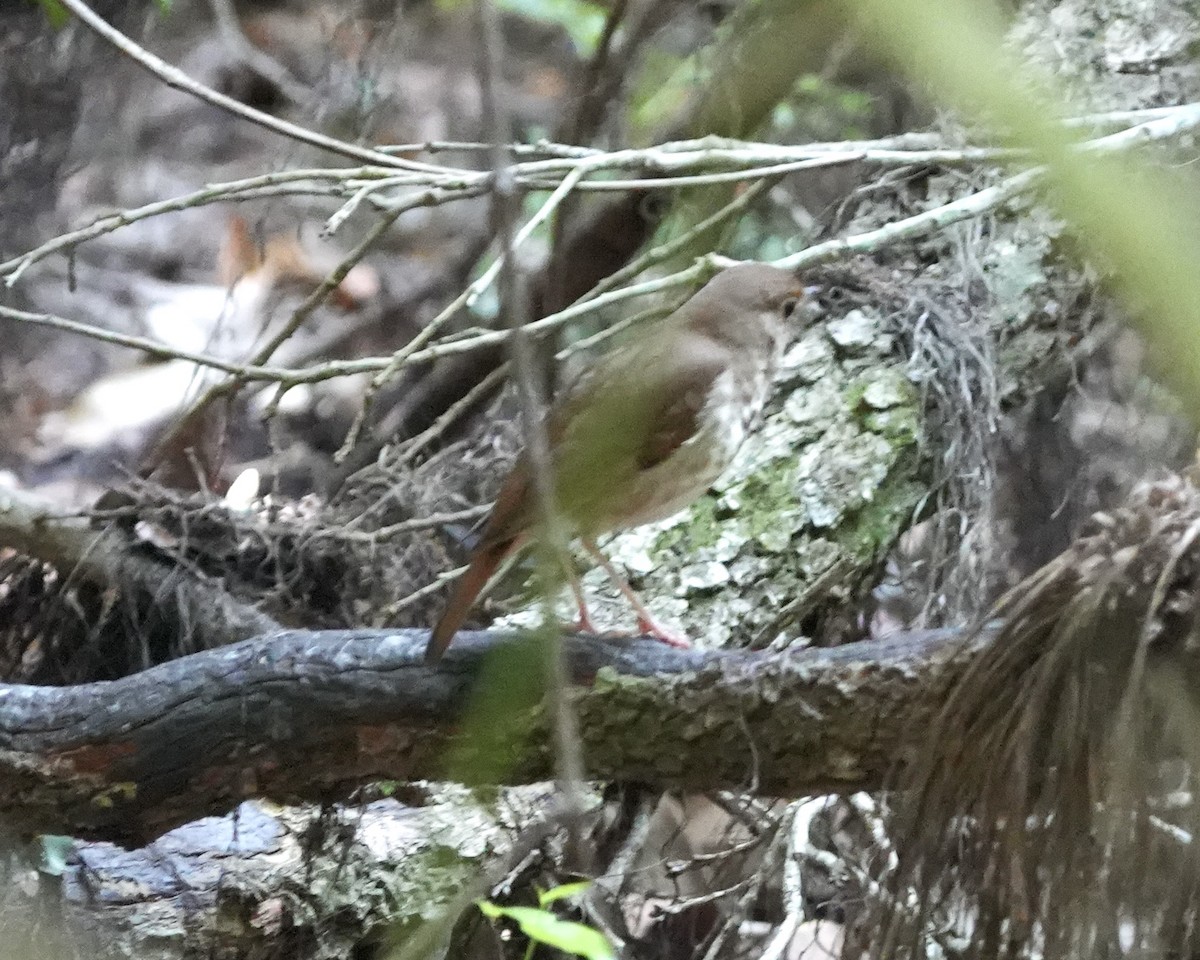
(789,306)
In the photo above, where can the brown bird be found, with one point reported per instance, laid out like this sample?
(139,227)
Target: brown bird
(644,431)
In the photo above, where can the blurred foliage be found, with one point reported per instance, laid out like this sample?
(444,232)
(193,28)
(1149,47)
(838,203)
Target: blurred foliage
(818,108)
(762,70)
(496,728)
(582,21)
(55,12)
(59,16)
(1136,220)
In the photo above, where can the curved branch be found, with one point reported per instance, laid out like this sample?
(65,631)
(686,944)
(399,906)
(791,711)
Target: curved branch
(312,715)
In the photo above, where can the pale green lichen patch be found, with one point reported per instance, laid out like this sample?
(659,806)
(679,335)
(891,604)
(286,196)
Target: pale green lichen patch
(807,361)
(442,846)
(887,391)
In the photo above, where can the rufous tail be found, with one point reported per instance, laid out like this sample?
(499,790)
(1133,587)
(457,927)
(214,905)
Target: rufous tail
(484,563)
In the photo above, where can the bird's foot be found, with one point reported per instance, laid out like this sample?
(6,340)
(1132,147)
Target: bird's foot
(649,627)
(581,624)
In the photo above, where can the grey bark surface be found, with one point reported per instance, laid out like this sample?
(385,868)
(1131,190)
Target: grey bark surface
(319,719)
(263,881)
(316,716)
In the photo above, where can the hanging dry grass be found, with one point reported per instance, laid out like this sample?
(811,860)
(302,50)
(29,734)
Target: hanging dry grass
(1052,811)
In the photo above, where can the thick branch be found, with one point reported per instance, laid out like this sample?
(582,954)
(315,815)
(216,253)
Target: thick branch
(308,715)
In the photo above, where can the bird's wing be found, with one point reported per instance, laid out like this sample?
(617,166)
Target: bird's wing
(640,402)
(513,510)
(675,414)
(631,411)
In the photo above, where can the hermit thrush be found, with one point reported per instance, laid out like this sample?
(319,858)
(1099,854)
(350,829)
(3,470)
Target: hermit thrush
(644,431)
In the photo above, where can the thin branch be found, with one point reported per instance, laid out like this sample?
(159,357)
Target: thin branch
(706,179)
(797,826)
(254,57)
(150,347)
(404,526)
(561,191)
(231,191)
(178,80)
(483,388)
(389,613)
(919,225)
(267,350)
(538,149)
(1179,120)
(552,541)
(667,250)
(749,157)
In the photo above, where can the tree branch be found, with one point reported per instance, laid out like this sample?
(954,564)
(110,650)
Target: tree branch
(313,715)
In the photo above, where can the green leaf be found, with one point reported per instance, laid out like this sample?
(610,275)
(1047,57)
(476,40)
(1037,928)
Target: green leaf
(544,927)
(563,892)
(55,12)
(55,850)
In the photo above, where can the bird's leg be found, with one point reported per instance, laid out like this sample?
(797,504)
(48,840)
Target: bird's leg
(647,623)
(584,623)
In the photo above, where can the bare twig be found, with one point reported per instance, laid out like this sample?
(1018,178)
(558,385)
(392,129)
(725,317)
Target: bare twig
(797,825)
(388,614)
(667,250)
(268,184)
(403,526)
(178,80)
(422,349)
(752,160)
(150,347)
(484,387)
(267,350)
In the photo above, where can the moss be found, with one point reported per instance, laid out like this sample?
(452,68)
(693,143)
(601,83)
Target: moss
(123,792)
(768,498)
(701,530)
(902,425)
(854,393)
(873,528)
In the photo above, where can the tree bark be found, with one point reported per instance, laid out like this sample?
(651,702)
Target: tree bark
(315,716)
(263,881)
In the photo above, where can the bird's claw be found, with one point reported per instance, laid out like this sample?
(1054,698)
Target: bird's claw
(648,627)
